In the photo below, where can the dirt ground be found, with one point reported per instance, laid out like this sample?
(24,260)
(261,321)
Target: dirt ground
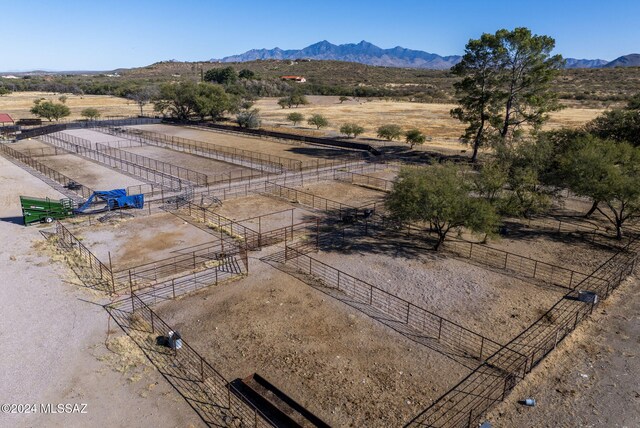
(302,152)
(345,193)
(558,250)
(490,303)
(339,363)
(18,104)
(94,175)
(141,239)
(212,168)
(257,205)
(57,333)
(591,379)
(432,119)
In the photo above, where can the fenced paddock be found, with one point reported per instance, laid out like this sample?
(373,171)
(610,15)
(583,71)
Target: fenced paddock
(215,171)
(465,404)
(494,304)
(143,239)
(84,148)
(197,381)
(317,350)
(310,156)
(250,159)
(37,165)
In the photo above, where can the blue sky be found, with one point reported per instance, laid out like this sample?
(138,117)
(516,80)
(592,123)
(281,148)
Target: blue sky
(103,35)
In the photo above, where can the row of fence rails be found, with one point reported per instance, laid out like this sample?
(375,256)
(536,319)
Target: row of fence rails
(44,152)
(84,148)
(38,130)
(308,199)
(85,259)
(364,180)
(200,258)
(58,177)
(254,160)
(448,333)
(521,265)
(459,407)
(248,237)
(225,268)
(164,167)
(289,233)
(203,387)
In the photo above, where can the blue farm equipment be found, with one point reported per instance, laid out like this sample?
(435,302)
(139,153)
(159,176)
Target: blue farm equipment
(114,199)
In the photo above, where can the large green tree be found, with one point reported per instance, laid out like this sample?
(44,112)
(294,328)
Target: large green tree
(506,84)
(441,196)
(608,172)
(212,101)
(318,120)
(223,76)
(186,99)
(50,110)
(621,124)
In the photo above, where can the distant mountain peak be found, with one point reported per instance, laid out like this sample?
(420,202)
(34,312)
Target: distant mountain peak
(365,52)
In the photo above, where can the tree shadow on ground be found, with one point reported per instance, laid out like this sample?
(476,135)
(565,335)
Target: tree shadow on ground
(334,153)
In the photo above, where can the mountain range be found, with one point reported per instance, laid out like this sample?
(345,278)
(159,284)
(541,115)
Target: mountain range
(368,53)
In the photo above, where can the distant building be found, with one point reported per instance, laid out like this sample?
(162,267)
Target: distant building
(5,118)
(298,79)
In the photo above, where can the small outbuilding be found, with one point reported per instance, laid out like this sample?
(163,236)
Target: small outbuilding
(299,79)
(5,118)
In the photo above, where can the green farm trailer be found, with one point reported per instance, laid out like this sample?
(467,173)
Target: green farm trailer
(38,210)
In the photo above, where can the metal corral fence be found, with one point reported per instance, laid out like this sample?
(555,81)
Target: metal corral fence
(446,332)
(248,238)
(89,268)
(44,151)
(521,265)
(47,129)
(164,167)
(254,160)
(352,145)
(364,180)
(82,147)
(60,178)
(198,259)
(226,268)
(311,200)
(465,404)
(215,400)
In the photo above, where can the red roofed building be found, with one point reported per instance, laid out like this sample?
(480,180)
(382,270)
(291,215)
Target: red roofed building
(298,79)
(5,118)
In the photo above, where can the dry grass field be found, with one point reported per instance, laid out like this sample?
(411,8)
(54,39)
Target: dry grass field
(432,119)
(18,104)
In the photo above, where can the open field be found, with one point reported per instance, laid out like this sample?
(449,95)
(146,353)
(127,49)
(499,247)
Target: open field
(434,120)
(18,104)
(342,365)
